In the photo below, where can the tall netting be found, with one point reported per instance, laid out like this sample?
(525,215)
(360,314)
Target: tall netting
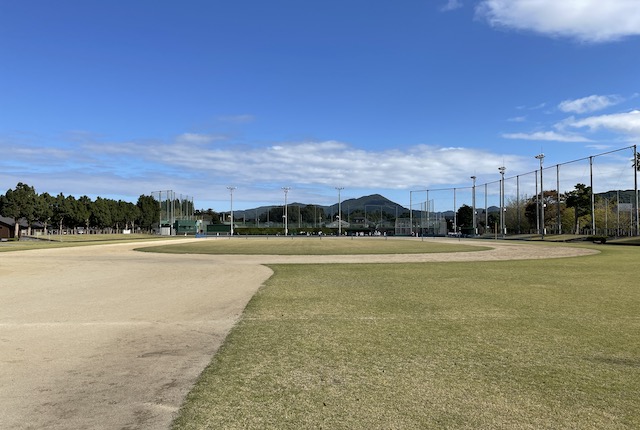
(173,207)
(596,195)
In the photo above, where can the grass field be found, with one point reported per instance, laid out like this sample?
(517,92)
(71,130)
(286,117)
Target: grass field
(63,241)
(545,344)
(311,246)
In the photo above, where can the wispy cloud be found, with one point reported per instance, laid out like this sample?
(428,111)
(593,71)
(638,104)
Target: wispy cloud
(236,119)
(546,136)
(592,21)
(627,123)
(190,164)
(451,5)
(589,104)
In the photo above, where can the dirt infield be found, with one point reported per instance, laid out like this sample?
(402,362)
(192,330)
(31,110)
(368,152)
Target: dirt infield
(103,337)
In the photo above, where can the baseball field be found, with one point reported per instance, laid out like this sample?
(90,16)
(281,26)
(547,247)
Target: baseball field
(302,333)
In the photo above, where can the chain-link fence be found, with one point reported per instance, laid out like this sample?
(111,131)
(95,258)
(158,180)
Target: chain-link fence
(596,195)
(173,207)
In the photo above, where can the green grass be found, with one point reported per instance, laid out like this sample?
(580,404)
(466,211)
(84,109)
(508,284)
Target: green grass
(545,344)
(311,246)
(66,241)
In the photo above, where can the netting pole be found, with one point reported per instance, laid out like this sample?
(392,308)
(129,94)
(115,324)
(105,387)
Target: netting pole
(635,184)
(473,202)
(593,197)
(428,208)
(455,213)
(518,201)
(559,217)
(486,209)
(501,170)
(410,213)
(617,213)
(537,205)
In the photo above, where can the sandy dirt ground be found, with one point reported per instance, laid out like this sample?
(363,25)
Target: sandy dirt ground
(103,337)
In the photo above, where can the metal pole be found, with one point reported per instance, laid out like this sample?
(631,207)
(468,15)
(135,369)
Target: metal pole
(593,197)
(231,193)
(339,211)
(502,169)
(486,211)
(428,209)
(286,222)
(635,185)
(542,226)
(410,213)
(455,214)
(518,201)
(473,203)
(617,213)
(558,203)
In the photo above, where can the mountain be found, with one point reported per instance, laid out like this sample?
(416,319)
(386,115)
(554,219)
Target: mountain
(372,203)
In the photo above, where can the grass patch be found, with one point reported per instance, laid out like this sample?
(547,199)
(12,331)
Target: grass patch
(310,246)
(66,241)
(546,344)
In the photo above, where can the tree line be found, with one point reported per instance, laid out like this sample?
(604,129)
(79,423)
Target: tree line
(67,212)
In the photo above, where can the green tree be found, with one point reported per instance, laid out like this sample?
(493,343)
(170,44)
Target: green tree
(63,210)
(101,216)
(20,203)
(149,212)
(464,219)
(118,216)
(532,209)
(44,209)
(580,200)
(82,212)
(129,213)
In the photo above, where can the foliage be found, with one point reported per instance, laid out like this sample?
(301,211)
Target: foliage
(580,200)
(19,203)
(209,215)
(67,212)
(149,214)
(465,219)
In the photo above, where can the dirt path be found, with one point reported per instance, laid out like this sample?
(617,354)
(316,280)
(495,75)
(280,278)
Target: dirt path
(103,337)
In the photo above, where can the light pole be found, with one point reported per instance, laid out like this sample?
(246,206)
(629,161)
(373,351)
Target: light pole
(339,211)
(286,224)
(501,170)
(541,158)
(231,193)
(473,203)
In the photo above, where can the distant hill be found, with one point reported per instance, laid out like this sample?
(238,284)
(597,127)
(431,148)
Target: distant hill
(626,196)
(374,202)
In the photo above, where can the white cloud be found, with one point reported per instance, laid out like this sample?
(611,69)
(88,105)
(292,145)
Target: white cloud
(237,119)
(517,119)
(589,104)
(197,139)
(583,20)
(547,136)
(132,168)
(451,5)
(625,123)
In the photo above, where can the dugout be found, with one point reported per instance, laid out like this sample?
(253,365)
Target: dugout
(182,227)
(218,228)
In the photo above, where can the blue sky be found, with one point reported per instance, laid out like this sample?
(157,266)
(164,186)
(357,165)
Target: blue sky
(118,98)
